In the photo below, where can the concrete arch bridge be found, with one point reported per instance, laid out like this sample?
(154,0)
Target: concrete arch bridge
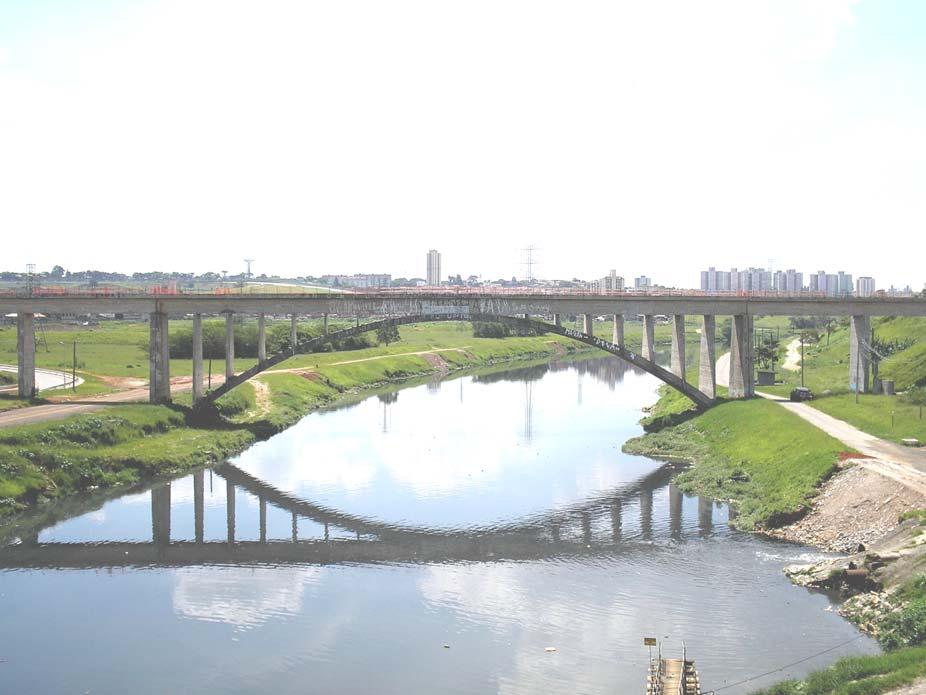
(439,304)
(624,520)
(674,377)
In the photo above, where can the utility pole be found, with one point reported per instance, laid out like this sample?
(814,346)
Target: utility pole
(74,368)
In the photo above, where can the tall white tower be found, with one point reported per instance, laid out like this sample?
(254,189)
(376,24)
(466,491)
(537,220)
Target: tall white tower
(434,268)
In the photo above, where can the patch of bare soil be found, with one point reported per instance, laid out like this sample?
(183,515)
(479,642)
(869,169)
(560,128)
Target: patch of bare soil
(123,382)
(262,398)
(436,362)
(855,508)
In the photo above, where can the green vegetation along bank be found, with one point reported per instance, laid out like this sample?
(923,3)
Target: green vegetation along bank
(755,454)
(123,444)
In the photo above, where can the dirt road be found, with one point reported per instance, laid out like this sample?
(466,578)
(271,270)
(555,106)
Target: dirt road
(900,463)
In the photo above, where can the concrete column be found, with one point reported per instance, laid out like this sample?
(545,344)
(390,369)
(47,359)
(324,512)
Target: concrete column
(263,519)
(649,340)
(158,359)
(588,324)
(229,345)
(617,334)
(707,368)
(197,357)
(160,514)
(741,378)
(705,516)
(859,336)
(325,324)
(616,519)
(587,528)
(678,345)
(199,507)
(230,511)
(646,514)
(25,348)
(557,319)
(293,336)
(261,339)
(675,512)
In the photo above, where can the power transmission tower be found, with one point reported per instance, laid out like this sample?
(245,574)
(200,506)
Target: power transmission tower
(529,262)
(30,268)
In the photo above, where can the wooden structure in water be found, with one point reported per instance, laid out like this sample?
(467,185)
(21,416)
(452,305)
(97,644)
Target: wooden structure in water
(672,677)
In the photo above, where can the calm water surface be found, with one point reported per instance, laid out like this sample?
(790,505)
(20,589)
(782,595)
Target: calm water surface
(432,540)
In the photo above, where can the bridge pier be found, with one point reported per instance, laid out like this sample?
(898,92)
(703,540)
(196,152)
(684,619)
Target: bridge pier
(293,335)
(675,512)
(616,521)
(859,332)
(678,346)
(646,514)
(742,383)
(160,514)
(158,359)
(617,332)
(261,338)
(230,511)
(707,365)
(197,358)
(649,339)
(263,519)
(199,507)
(588,324)
(325,324)
(557,320)
(705,516)
(25,351)
(229,345)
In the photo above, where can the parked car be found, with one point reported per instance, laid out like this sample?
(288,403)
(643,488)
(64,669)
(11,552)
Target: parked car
(801,394)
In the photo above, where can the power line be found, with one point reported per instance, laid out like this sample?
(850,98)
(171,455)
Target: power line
(782,668)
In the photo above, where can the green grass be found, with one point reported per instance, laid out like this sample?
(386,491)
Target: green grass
(127,443)
(860,675)
(826,372)
(754,453)
(882,416)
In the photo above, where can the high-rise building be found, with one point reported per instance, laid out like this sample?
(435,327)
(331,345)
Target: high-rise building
(865,286)
(434,268)
(642,283)
(612,281)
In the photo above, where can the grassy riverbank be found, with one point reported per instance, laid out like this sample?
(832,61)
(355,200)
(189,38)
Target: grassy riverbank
(826,372)
(765,460)
(860,675)
(123,444)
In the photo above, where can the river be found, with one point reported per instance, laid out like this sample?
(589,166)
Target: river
(478,534)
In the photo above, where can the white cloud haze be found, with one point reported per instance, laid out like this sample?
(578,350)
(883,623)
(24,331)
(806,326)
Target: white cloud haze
(317,137)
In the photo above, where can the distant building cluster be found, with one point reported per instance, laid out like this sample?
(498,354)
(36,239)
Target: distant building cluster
(611,281)
(367,281)
(790,281)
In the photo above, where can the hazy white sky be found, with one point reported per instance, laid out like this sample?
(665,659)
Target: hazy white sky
(650,137)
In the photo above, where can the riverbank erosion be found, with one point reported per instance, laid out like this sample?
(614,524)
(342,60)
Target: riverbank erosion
(789,480)
(122,445)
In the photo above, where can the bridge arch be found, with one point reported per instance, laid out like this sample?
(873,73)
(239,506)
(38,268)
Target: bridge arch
(700,399)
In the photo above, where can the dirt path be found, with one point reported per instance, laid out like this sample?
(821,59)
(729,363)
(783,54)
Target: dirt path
(262,397)
(900,463)
(89,404)
(432,351)
(793,357)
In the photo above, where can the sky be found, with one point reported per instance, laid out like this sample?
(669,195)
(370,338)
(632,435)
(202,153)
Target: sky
(654,138)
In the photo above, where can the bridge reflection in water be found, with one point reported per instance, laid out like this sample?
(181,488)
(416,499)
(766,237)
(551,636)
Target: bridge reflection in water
(619,522)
